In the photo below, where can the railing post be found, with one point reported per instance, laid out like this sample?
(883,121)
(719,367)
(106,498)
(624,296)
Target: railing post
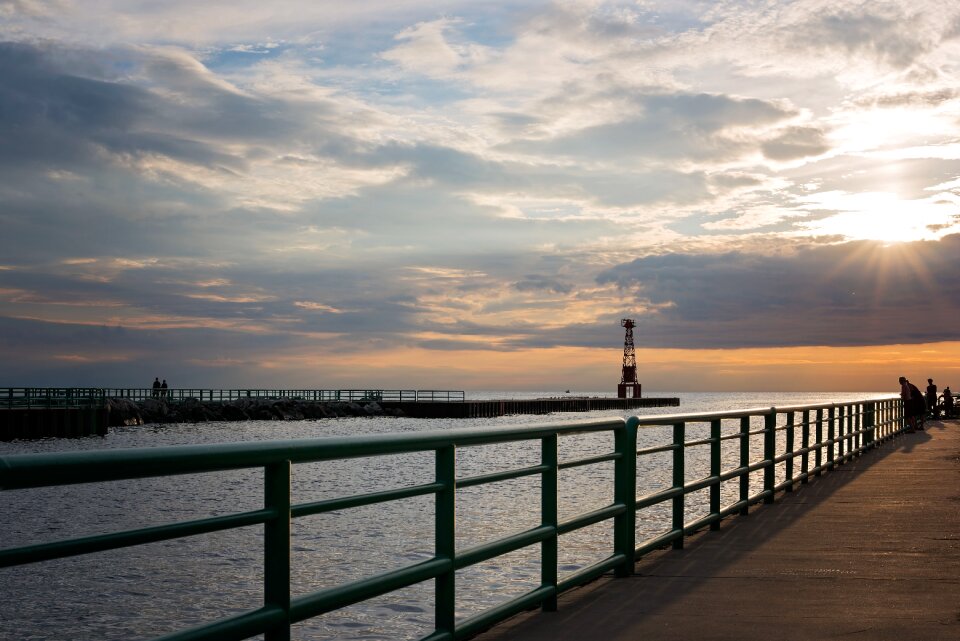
(276,543)
(744,464)
(789,462)
(625,492)
(715,472)
(805,445)
(857,424)
(831,434)
(548,518)
(679,480)
(819,437)
(769,453)
(843,433)
(445,539)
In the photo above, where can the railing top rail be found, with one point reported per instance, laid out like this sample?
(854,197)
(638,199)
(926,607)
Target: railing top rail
(60,468)
(694,417)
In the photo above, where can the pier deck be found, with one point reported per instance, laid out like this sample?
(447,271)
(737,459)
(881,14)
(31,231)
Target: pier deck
(870,550)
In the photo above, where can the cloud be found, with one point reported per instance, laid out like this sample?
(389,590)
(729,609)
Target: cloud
(888,33)
(859,293)
(681,127)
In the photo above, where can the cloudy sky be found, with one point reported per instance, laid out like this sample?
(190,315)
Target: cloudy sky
(471,195)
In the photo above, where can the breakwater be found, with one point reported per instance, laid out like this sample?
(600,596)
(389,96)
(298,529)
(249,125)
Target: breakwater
(123,411)
(74,412)
(507,407)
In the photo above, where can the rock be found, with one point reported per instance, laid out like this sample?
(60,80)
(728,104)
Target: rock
(123,411)
(192,410)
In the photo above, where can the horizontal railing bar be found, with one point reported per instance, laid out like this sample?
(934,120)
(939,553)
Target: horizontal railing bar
(235,628)
(733,473)
(603,458)
(487,618)
(658,542)
(311,605)
(439,635)
(704,441)
(101,542)
(481,553)
(329,505)
(699,524)
(506,475)
(660,496)
(657,449)
(700,484)
(589,573)
(64,468)
(590,518)
(734,508)
(704,417)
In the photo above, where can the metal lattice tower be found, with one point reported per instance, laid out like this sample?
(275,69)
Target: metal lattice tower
(628,376)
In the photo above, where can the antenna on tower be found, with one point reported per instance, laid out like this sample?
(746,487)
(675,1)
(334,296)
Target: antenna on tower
(628,387)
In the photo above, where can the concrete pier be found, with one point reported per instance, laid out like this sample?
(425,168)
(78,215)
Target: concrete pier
(870,550)
(481,409)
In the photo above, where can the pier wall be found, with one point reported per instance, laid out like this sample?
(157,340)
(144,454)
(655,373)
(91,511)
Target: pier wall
(493,408)
(62,422)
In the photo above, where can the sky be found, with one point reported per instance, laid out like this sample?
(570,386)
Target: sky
(472,195)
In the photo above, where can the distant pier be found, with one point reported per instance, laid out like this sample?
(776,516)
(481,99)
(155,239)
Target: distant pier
(34,412)
(492,408)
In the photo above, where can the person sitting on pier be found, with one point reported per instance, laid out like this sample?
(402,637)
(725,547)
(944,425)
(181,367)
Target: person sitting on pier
(156,387)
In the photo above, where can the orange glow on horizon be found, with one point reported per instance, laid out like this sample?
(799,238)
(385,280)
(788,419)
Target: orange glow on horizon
(847,369)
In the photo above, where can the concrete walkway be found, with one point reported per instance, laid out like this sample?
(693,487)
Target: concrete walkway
(870,550)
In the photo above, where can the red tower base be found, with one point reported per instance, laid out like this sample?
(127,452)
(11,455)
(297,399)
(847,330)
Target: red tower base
(628,390)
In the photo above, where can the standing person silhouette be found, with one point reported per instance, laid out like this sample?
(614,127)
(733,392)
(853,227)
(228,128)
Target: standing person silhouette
(163,389)
(932,397)
(913,405)
(156,387)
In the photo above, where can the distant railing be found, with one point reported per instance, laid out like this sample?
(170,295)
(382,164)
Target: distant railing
(797,443)
(36,397)
(51,397)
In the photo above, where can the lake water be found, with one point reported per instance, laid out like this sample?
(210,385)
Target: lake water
(147,591)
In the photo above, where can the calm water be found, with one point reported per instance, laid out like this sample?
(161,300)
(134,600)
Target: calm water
(142,592)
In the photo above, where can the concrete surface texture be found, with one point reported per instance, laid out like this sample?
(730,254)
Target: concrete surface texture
(870,550)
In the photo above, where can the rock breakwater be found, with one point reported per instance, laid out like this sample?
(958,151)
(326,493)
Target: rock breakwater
(123,411)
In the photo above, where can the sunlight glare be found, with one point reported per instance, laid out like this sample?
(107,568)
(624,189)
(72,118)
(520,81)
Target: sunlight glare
(881,216)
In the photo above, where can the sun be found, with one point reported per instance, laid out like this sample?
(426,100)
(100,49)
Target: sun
(881,216)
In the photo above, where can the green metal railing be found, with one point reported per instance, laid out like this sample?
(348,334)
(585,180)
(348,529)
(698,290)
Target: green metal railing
(37,397)
(828,435)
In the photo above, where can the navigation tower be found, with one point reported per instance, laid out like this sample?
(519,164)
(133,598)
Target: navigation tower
(628,387)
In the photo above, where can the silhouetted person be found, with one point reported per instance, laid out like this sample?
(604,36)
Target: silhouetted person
(156,387)
(913,405)
(947,402)
(163,389)
(932,397)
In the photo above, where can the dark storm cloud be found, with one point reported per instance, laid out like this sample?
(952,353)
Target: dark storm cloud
(859,293)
